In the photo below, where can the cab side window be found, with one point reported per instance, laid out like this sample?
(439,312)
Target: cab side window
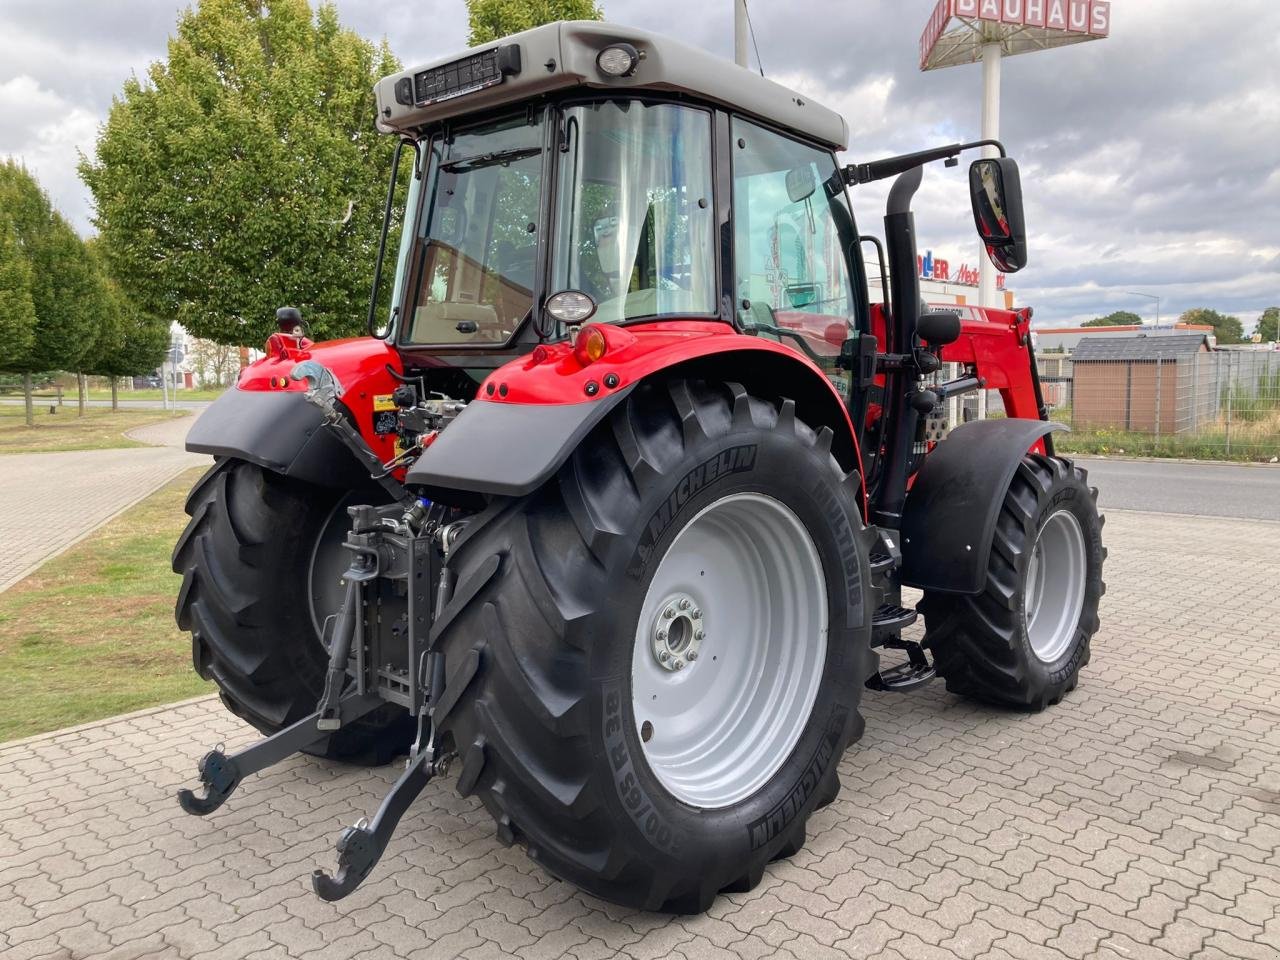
(791,233)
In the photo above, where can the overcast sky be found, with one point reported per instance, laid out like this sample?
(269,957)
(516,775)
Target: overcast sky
(1150,160)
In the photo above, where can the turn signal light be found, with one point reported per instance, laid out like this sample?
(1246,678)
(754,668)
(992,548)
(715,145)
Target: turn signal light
(590,344)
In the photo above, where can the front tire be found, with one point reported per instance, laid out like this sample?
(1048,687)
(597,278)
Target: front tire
(259,561)
(551,648)
(1023,640)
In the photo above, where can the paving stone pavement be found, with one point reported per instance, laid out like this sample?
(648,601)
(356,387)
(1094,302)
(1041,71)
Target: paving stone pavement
(1139,819)
(48,501)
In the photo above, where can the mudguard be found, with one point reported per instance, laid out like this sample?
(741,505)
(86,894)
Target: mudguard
(950,515)
(507,449)
(280,432)
(265,419)
(530,414)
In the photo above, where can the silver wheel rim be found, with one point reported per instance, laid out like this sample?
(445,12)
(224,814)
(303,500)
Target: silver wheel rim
(1054,590)
(729,650)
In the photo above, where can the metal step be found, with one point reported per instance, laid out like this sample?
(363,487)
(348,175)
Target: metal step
(892,619)
(880,563)
(903,677)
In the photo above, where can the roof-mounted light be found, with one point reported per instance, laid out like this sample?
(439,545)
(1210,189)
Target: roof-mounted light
(619,60)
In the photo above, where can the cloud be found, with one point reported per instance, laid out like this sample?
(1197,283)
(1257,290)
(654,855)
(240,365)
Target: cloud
(46,132)
(1148,159)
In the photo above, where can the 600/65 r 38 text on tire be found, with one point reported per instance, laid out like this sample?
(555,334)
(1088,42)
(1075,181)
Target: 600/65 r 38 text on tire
(656,659)
(1022,641)
(261,560)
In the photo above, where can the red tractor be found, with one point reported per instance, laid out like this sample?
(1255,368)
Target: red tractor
(612,511)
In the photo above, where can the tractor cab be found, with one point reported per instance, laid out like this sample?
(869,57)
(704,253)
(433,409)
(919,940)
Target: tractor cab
(584,172)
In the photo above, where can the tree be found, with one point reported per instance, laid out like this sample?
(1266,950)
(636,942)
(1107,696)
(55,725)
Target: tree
(493,19)
(1226,328)
(17,310)
(138,346)
(1119,318)
(245,172)
(1268,327)
(64,293)
(215,364)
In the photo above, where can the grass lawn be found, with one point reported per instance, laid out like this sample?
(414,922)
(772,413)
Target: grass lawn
(98,429)
(149,394)
(91,633)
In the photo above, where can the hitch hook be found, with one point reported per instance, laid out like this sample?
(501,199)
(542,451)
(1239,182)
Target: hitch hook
(361,847)
(220,777)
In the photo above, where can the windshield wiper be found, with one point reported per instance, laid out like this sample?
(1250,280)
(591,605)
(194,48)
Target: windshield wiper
(489,159)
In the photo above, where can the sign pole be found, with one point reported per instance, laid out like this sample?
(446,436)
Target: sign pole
(740,33)
(990,131)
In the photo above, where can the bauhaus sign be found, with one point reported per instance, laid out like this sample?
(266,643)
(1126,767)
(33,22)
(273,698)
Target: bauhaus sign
(1088,19)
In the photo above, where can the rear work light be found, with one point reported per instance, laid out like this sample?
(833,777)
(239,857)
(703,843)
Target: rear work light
(570,307)
(590,344)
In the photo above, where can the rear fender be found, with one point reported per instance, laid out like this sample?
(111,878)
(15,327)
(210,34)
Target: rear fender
(531,413)
(267,420)
(950,514)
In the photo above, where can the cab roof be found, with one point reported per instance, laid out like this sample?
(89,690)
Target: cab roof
(561,56)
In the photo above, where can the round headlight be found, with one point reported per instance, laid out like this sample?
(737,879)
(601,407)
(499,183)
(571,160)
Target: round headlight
(619,60)
(570,306)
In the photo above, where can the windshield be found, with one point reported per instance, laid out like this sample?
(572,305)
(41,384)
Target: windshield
(634,210)
(473,274)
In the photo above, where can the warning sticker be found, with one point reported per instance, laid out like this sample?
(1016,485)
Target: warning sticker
(383,401)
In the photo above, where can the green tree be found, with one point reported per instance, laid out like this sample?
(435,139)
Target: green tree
(17,310)
(1227,329)
(138,345)
(1269,324)
(245,172)
(1120,318)
(64,292)
(494,19)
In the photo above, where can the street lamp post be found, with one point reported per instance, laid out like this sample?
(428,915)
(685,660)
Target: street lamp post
(1149,296)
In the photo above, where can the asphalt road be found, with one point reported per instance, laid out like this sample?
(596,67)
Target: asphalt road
(1196,489)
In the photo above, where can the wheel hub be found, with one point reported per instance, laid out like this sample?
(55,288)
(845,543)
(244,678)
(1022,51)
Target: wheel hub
(719,711)
(1055,586)
(677,633)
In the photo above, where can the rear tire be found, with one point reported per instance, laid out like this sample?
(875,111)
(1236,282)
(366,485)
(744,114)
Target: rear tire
(246,560)
(1022,641)
(540,640)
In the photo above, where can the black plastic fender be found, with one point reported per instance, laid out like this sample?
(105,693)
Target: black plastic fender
(279,431)
(950,514)
(507,449)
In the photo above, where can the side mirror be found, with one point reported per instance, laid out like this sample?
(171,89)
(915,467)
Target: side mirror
(801,183)
(996,191)
(938,327)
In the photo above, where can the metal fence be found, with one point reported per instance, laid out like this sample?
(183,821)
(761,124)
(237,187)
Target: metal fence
(1221,405)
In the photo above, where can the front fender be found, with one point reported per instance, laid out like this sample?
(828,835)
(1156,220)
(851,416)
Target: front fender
(950,514)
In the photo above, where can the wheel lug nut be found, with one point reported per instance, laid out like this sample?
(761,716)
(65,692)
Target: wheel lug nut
(662,635)
(664,656)
(685,604)
(697,614)
(693,655)
(668,613)
(679,664)
(698,634)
